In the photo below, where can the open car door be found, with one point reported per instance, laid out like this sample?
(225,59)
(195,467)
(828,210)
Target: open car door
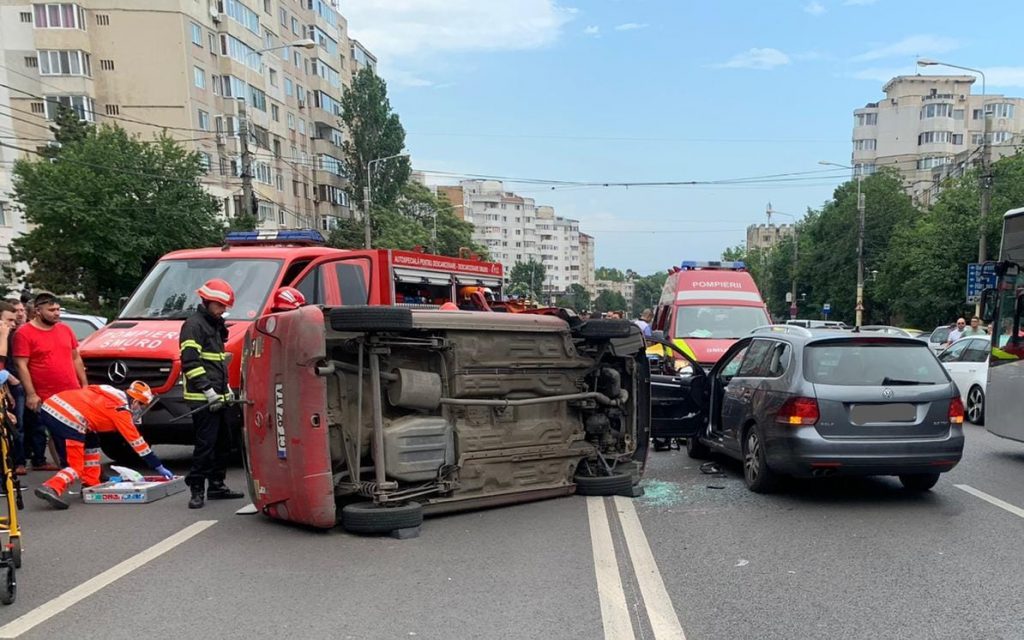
(287,448)
(678,389)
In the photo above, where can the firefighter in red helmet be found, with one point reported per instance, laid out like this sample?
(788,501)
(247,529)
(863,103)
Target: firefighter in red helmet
(204,367)
(287,299)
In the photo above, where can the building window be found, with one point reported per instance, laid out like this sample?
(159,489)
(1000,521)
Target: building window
(215,84)
(197,35)
(198,77)
(283,15)
(291,121)
(863,169)
(204,120)
(958,138)
(31,62)
(241,14)
(865,119)
(213,43)
(866,144)
(266,7)
(273,77)
(302,126)
(107,65)
(289,87)
(239,51)
(935,137)
(258,98)
(113,110)
(64,63)
(958,114)
(275,113)
(937,110)
(279,181)
(295,25)
(999,110)
(3,214)
(26,16)
(103,19)
(932,162)
(1000,137)
(325,41)
(83,106)
(204,161)
(59,16)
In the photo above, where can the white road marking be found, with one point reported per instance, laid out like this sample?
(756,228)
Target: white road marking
(247,510)
(614,610)
(1006,506)
(67,599)
(660,612)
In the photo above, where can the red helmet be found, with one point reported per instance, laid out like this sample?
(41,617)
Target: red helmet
(288,298)
(217,290)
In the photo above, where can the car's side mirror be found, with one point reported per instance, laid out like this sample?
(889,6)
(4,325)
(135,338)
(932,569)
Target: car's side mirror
(989,299)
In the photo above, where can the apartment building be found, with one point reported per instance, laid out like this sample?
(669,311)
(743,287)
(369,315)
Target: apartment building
(625,287)
(587,263)
(514,229)
(185,66)
(766,236)
(932,126)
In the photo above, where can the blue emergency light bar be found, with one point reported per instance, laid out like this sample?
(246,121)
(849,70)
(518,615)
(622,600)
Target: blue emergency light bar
(287,236)
(737,265)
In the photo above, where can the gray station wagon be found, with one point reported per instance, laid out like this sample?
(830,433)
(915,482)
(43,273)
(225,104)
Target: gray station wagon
(791,402)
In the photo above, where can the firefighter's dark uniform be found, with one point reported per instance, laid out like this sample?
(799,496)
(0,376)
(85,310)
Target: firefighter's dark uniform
(204,365)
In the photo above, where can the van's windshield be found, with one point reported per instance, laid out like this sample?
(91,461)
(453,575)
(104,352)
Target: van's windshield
(169,291)
(718,322)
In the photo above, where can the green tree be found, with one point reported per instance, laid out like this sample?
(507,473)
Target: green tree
(576,298)
(105,207)
(609,301)
(374,132)
(609,273)
(67,128)
(739,252)
(647,292)
(527,279)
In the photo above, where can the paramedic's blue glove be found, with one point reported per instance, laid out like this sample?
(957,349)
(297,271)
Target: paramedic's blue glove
(4,374)
(165,472)
(114,479)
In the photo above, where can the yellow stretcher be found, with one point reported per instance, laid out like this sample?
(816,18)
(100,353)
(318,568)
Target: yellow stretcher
(10,533)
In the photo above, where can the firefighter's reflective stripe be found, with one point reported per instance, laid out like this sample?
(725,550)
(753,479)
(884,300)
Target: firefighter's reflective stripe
(191,344)
(192,373)
(140,447)
(214,357)
(201,397)
(659,350)
(65,413)
(114,393)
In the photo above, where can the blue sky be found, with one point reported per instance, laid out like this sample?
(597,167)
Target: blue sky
(661,90)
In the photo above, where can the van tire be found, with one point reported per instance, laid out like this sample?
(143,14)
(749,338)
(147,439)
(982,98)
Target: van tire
(118,450)
(370,318)
(604,329)
(368,517)
(617,484)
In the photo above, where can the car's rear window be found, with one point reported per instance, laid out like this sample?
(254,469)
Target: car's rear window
(875,363)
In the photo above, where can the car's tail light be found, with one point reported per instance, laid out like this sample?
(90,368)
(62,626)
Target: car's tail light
(956,411)
(799,411)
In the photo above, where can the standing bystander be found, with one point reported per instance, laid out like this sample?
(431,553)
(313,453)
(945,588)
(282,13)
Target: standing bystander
(8,324)
(975,329)
(46,352)
(644,322)
(956,332)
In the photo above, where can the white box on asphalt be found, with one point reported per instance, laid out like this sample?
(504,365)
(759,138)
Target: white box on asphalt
(149,489)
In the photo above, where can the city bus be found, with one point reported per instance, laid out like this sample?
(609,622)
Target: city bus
(1001,308)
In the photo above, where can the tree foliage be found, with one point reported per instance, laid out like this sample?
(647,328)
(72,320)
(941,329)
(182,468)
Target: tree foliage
(607,300)
(105,206)
(609,273)
(374,132)
(647,291)
(527,279)
(576,298)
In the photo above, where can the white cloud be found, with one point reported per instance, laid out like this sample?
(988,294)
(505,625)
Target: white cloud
(814,8)
(631,26)
(398,29)
(592,30)
(766,58)
(910,46)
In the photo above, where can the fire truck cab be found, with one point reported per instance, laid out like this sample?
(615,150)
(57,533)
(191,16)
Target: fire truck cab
(142,342)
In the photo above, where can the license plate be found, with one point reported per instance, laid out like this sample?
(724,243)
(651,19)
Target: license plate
(892,412)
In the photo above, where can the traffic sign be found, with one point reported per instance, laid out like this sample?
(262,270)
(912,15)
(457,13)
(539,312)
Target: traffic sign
(977,281)
(826,307)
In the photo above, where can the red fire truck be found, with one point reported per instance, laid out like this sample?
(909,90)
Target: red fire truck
(142,342)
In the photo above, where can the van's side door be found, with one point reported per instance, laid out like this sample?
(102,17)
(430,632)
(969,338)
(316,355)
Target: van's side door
(335,281)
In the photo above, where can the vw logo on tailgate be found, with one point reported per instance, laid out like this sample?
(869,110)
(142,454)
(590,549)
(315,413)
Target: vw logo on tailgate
(117,372)
(887,394)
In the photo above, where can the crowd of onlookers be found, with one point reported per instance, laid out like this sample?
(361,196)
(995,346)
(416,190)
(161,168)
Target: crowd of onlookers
(40,354)
(644,321)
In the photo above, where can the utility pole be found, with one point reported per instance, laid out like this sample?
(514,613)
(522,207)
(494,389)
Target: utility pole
(986,192)
(243,139)
(366,213)
(860,248)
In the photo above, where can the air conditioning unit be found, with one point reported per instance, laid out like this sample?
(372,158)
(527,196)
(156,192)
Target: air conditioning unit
(302,103)
(214,15)
(219,138)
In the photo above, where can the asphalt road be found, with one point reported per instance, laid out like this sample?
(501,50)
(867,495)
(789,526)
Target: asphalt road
(823,559)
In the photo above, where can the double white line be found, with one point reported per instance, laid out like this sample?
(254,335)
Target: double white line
(614,608)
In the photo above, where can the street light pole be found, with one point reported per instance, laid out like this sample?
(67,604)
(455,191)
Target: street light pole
(367,202)
(986,162)
(859,309)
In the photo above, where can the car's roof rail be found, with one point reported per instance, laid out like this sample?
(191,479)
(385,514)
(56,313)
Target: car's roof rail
(784,328)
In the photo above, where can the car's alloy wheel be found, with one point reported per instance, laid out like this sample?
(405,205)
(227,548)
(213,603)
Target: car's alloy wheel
(756,473)
(976,405)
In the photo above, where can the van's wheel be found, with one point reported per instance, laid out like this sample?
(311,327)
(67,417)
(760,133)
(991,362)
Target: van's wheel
(919,482)
(616,484)
(975,409)
(370,318)
(16,551)
(119,451)
(368,517)
(603,329)
(756,474)
(696,449)
(10,586)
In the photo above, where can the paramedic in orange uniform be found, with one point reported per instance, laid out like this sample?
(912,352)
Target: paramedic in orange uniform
(73,419)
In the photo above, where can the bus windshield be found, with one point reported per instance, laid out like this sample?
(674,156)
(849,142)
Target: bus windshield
(718,322)
(169,291)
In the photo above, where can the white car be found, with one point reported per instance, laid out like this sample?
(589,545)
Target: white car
(83,325)
(966,360)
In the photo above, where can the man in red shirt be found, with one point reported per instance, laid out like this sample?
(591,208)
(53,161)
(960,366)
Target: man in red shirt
(46,353)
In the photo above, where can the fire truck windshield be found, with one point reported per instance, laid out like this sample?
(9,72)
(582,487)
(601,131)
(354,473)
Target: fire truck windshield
(718,322)
(169,291)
